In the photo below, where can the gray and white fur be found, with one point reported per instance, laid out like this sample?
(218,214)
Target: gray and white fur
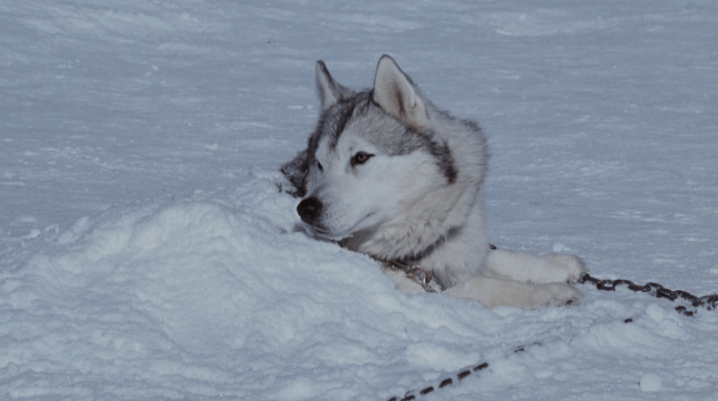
(388,174)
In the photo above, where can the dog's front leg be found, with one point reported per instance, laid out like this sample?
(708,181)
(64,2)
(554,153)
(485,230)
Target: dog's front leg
(493,292)
(519,266)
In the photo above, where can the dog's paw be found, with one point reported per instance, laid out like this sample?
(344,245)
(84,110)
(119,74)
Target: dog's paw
(558,294)
(571,267)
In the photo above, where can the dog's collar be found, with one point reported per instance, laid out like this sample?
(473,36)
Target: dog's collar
(410,267)
(425,278)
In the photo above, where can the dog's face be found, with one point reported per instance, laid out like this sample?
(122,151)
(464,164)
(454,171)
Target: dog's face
(375,169)
(355,182)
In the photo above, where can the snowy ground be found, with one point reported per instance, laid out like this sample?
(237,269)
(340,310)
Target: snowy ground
(146,254)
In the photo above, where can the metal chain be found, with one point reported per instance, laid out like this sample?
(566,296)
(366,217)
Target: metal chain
(411,394)
(456,378)
(709,301)
(425,278)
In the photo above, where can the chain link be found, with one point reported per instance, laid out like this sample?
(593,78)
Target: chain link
(708,302)
(425,278)
(411,395)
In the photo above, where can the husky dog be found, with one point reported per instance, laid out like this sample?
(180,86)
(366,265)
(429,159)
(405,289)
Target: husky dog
(389,175)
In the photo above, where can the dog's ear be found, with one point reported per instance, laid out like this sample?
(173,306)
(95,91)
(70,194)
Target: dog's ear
(326,88)
(329,91)
(395,93)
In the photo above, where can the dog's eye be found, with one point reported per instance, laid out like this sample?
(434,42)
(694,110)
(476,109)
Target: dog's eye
(320,167)
(361,158)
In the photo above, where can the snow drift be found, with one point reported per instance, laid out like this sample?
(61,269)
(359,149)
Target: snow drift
(146,252)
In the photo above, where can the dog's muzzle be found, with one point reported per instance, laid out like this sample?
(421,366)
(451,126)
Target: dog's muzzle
(309,209)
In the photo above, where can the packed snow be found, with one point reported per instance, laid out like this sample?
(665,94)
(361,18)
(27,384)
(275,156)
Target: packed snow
(147,253)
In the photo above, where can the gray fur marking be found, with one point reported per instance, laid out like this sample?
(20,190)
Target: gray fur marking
(358,108)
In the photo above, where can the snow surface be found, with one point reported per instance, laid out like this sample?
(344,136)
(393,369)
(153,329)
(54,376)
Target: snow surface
(146,253)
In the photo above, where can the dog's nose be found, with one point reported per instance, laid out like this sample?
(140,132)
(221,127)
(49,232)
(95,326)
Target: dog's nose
(309,209)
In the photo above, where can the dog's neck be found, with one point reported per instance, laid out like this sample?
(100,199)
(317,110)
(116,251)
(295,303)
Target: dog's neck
(409,264)
(359,238)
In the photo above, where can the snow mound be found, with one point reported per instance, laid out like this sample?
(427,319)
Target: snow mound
(220,295)
(209,296)
(146,254)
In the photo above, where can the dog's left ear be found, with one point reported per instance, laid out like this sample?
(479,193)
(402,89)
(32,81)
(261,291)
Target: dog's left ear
(395,93)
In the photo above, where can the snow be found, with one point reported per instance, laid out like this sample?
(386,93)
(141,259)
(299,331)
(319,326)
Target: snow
(650,382)
(147,254)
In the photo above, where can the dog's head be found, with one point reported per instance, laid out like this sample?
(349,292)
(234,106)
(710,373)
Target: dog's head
(373,158)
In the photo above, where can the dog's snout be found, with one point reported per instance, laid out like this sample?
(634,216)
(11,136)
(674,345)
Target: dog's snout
(309,209)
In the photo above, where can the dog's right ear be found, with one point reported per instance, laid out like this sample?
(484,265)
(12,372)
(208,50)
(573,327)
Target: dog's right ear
(397,95)
(329,91)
